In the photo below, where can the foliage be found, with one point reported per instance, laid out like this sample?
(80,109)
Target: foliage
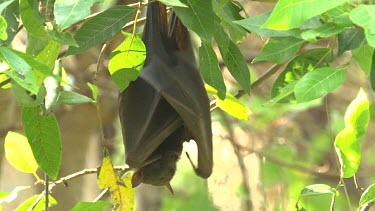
(292,31)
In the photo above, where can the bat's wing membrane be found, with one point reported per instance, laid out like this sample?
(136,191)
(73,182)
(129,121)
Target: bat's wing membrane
(147,121)
(183,88)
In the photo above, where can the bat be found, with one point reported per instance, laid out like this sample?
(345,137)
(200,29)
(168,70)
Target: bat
(166,105)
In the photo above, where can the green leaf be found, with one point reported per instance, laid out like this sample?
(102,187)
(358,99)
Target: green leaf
(92,206)
(198,17)
(4,4)
(318,82)
(315,197)
(45,50)
(279,50)
(317,189)
(31,19)
(228,13)
(327,30)
(233,58)
(18,153)
(368,196)
(3,28)
(101,28)
(11,15)
(370,38)
(254,25)
(357,115)
(25,70)
(64,38)
(68,12)
(127,61)
(73,98)
(43,134)
(25,98)
(230,104)
(364,16)
(209,67)
(28,204)
(350,39)
(20,71)
(290,14)
(348,152)
(94,90)
(297,68)
(176,3)
(363,56)
(339,15)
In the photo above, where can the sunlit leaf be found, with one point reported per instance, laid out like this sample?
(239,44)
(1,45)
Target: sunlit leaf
(357,115)
(230,104)
(317,189)
(67,12)
(122,193)
(348,151)
(94,90)
(127,61)
(314,196)
(3,28)
(19,154)
(254,25)
(368,196)
(318,83)
(290,14)
(29,203)
(364,16)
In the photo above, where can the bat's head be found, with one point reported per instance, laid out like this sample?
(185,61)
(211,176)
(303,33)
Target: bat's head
(159,172)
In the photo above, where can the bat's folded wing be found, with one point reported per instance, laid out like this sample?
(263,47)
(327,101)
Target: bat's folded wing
(182,87)
(147,121)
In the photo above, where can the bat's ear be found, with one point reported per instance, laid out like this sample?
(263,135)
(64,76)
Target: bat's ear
(168,185)
(137,178)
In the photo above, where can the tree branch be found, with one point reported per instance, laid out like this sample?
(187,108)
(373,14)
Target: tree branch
(272,70)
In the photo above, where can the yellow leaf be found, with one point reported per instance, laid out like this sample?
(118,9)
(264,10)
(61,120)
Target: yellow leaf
(18,153)
(122,193)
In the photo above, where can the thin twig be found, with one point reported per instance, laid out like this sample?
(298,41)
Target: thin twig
(46,191)
(83,172)
(241,162)
(277,161)
(101,195)
(272,70)
(5,82)
(357,185)
(40,197)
